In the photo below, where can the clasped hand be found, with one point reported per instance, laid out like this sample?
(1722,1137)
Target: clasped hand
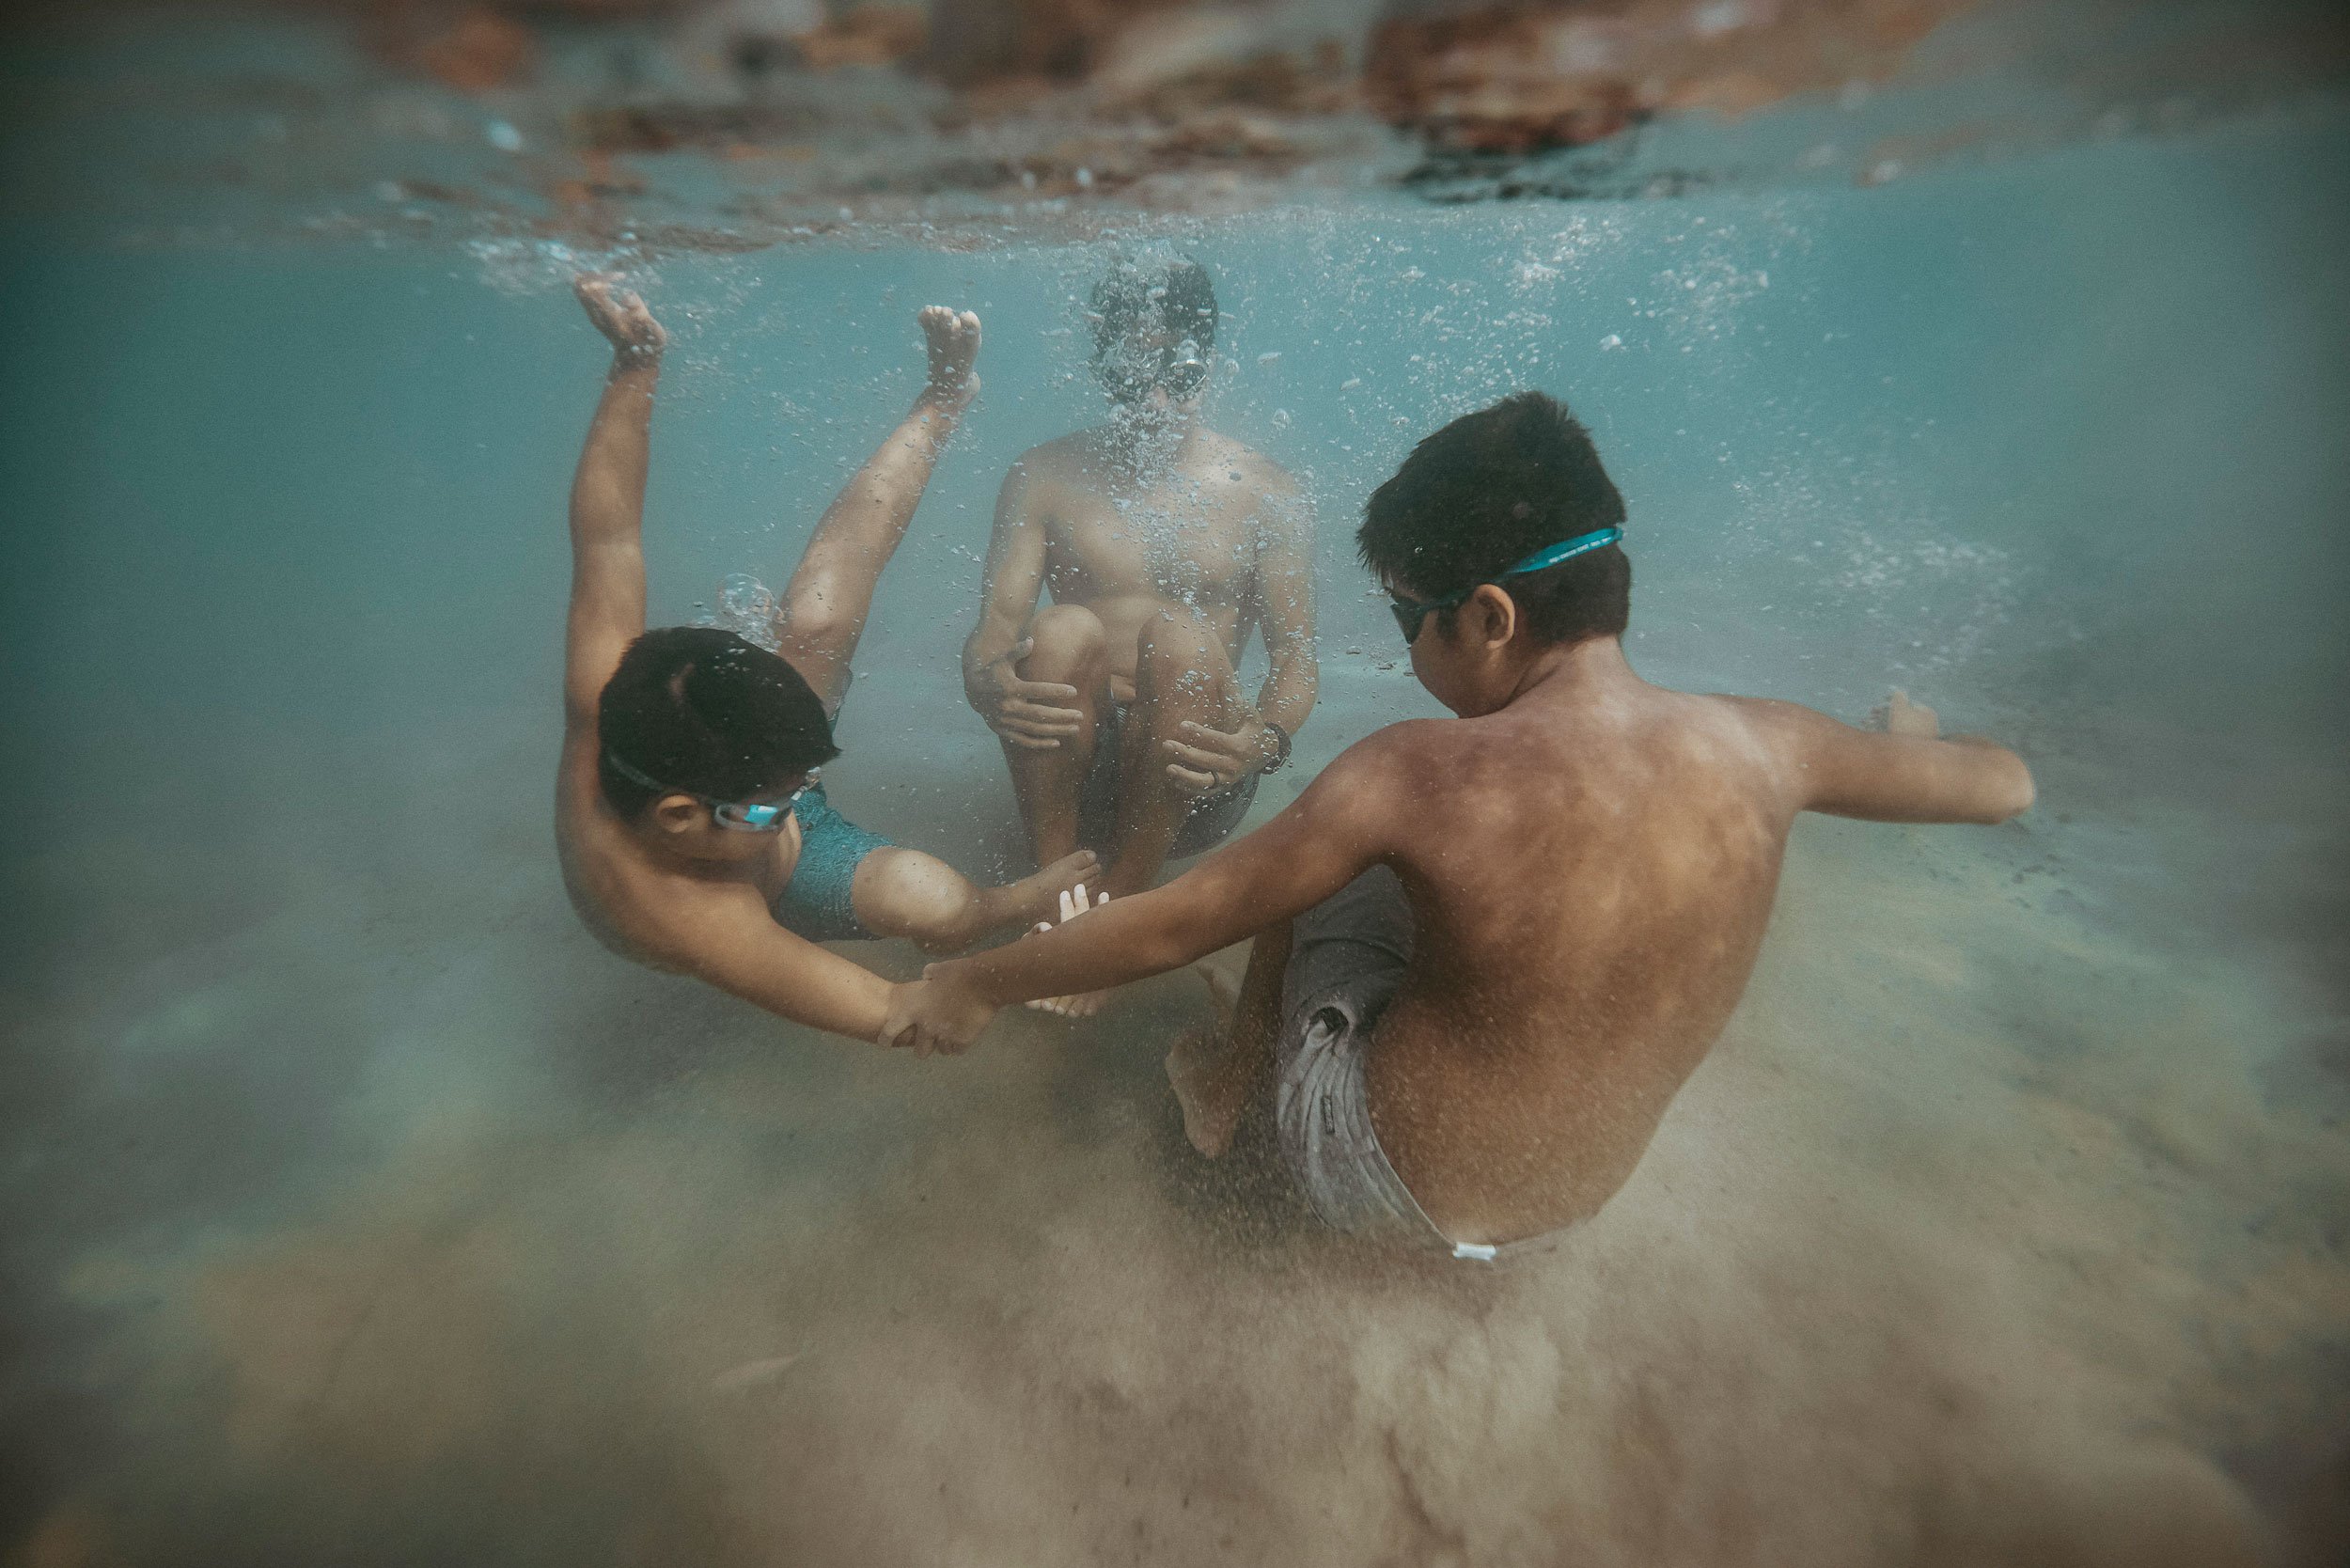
(1034,716)
(941,1013)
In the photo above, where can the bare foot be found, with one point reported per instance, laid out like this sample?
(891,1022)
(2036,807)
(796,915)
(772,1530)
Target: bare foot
(1084,1004)
(1204,1069)
(954,343)
(1035,899)
(623,318)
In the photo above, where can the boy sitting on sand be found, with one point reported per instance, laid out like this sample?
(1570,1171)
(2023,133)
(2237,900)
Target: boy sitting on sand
(1490,950)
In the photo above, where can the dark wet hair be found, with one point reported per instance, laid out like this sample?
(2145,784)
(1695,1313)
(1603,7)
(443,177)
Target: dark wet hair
(1486,492)
(708,713)
(1174,293)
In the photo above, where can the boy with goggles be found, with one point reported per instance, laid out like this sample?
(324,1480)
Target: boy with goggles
(1489,950)
(694,830)
(1164,546)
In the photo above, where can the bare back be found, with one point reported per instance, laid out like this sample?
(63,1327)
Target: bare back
(1590,862)
(1590,892)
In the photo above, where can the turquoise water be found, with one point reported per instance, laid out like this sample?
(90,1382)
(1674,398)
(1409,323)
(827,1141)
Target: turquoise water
(363,1209)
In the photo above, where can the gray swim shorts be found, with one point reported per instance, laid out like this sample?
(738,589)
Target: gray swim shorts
(1347,959)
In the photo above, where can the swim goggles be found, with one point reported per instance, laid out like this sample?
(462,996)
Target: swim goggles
(1181,369)
(742,816)
(1411,614)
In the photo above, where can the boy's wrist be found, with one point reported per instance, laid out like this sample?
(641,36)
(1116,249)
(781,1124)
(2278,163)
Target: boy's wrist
(1274,747)
(955,979)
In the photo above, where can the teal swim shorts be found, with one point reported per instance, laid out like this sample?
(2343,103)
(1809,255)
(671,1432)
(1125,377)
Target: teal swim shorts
(817,904)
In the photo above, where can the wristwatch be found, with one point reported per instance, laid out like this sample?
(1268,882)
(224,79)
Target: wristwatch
(1282,749)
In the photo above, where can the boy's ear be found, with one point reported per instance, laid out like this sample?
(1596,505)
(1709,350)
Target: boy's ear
(675,813)
(1494,614)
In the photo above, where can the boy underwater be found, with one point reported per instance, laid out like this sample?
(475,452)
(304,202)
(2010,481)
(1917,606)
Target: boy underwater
(1165,544)
(1490,950)
(694,833)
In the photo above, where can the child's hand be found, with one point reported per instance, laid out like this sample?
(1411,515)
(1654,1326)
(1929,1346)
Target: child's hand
(1901,717)
(933,1014)
(1072,1007)
(1208,759)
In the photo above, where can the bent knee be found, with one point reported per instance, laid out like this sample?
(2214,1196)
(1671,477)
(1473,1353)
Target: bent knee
(904,893)
(1066,635)
(813,620)
(1179,644)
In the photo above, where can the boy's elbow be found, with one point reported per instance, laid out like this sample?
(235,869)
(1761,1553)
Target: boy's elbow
(2027,791)
(2014,792)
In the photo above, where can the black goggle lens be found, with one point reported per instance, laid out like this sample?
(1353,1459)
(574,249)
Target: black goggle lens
(1180,370)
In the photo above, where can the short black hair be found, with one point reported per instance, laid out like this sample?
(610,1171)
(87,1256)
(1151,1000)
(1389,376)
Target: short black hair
(1175,292)
(707,714)
(1489,490)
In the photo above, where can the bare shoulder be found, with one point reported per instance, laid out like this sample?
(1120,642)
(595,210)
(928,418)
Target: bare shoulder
(1772,719)
(1387,769)
(1063,457)
(1783,733)
(620,900)
(1253,467)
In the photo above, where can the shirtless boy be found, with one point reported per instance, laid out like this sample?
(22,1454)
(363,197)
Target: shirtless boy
(694,833)
(1491,949)
(1164,544)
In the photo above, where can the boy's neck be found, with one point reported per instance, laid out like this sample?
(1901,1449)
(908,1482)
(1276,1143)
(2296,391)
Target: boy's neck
(1573,673)
(1136,446)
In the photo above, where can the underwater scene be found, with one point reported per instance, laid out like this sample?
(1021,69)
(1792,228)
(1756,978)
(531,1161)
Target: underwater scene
(368,1205)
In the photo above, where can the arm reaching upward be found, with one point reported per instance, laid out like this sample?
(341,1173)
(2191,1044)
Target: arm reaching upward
(1901,773)
(830,594)
(607,610)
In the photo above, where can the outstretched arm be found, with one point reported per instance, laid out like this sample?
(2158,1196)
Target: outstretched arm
(1029,714)
(608,500)
(785,974)
(825,606)
(1903,773)
(1330,835)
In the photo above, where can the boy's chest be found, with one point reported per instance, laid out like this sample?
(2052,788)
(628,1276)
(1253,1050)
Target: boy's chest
(1171,541)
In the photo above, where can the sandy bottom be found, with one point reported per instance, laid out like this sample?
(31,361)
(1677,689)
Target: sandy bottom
(1987,1235)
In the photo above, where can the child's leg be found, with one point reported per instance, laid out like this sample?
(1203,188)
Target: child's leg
(1215,1071)
(825,606)
(904,893)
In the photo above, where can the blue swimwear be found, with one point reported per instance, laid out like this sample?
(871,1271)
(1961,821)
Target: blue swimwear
(817,904)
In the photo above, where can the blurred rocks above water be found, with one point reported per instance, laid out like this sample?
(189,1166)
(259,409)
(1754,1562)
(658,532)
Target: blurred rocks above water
(732,124)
